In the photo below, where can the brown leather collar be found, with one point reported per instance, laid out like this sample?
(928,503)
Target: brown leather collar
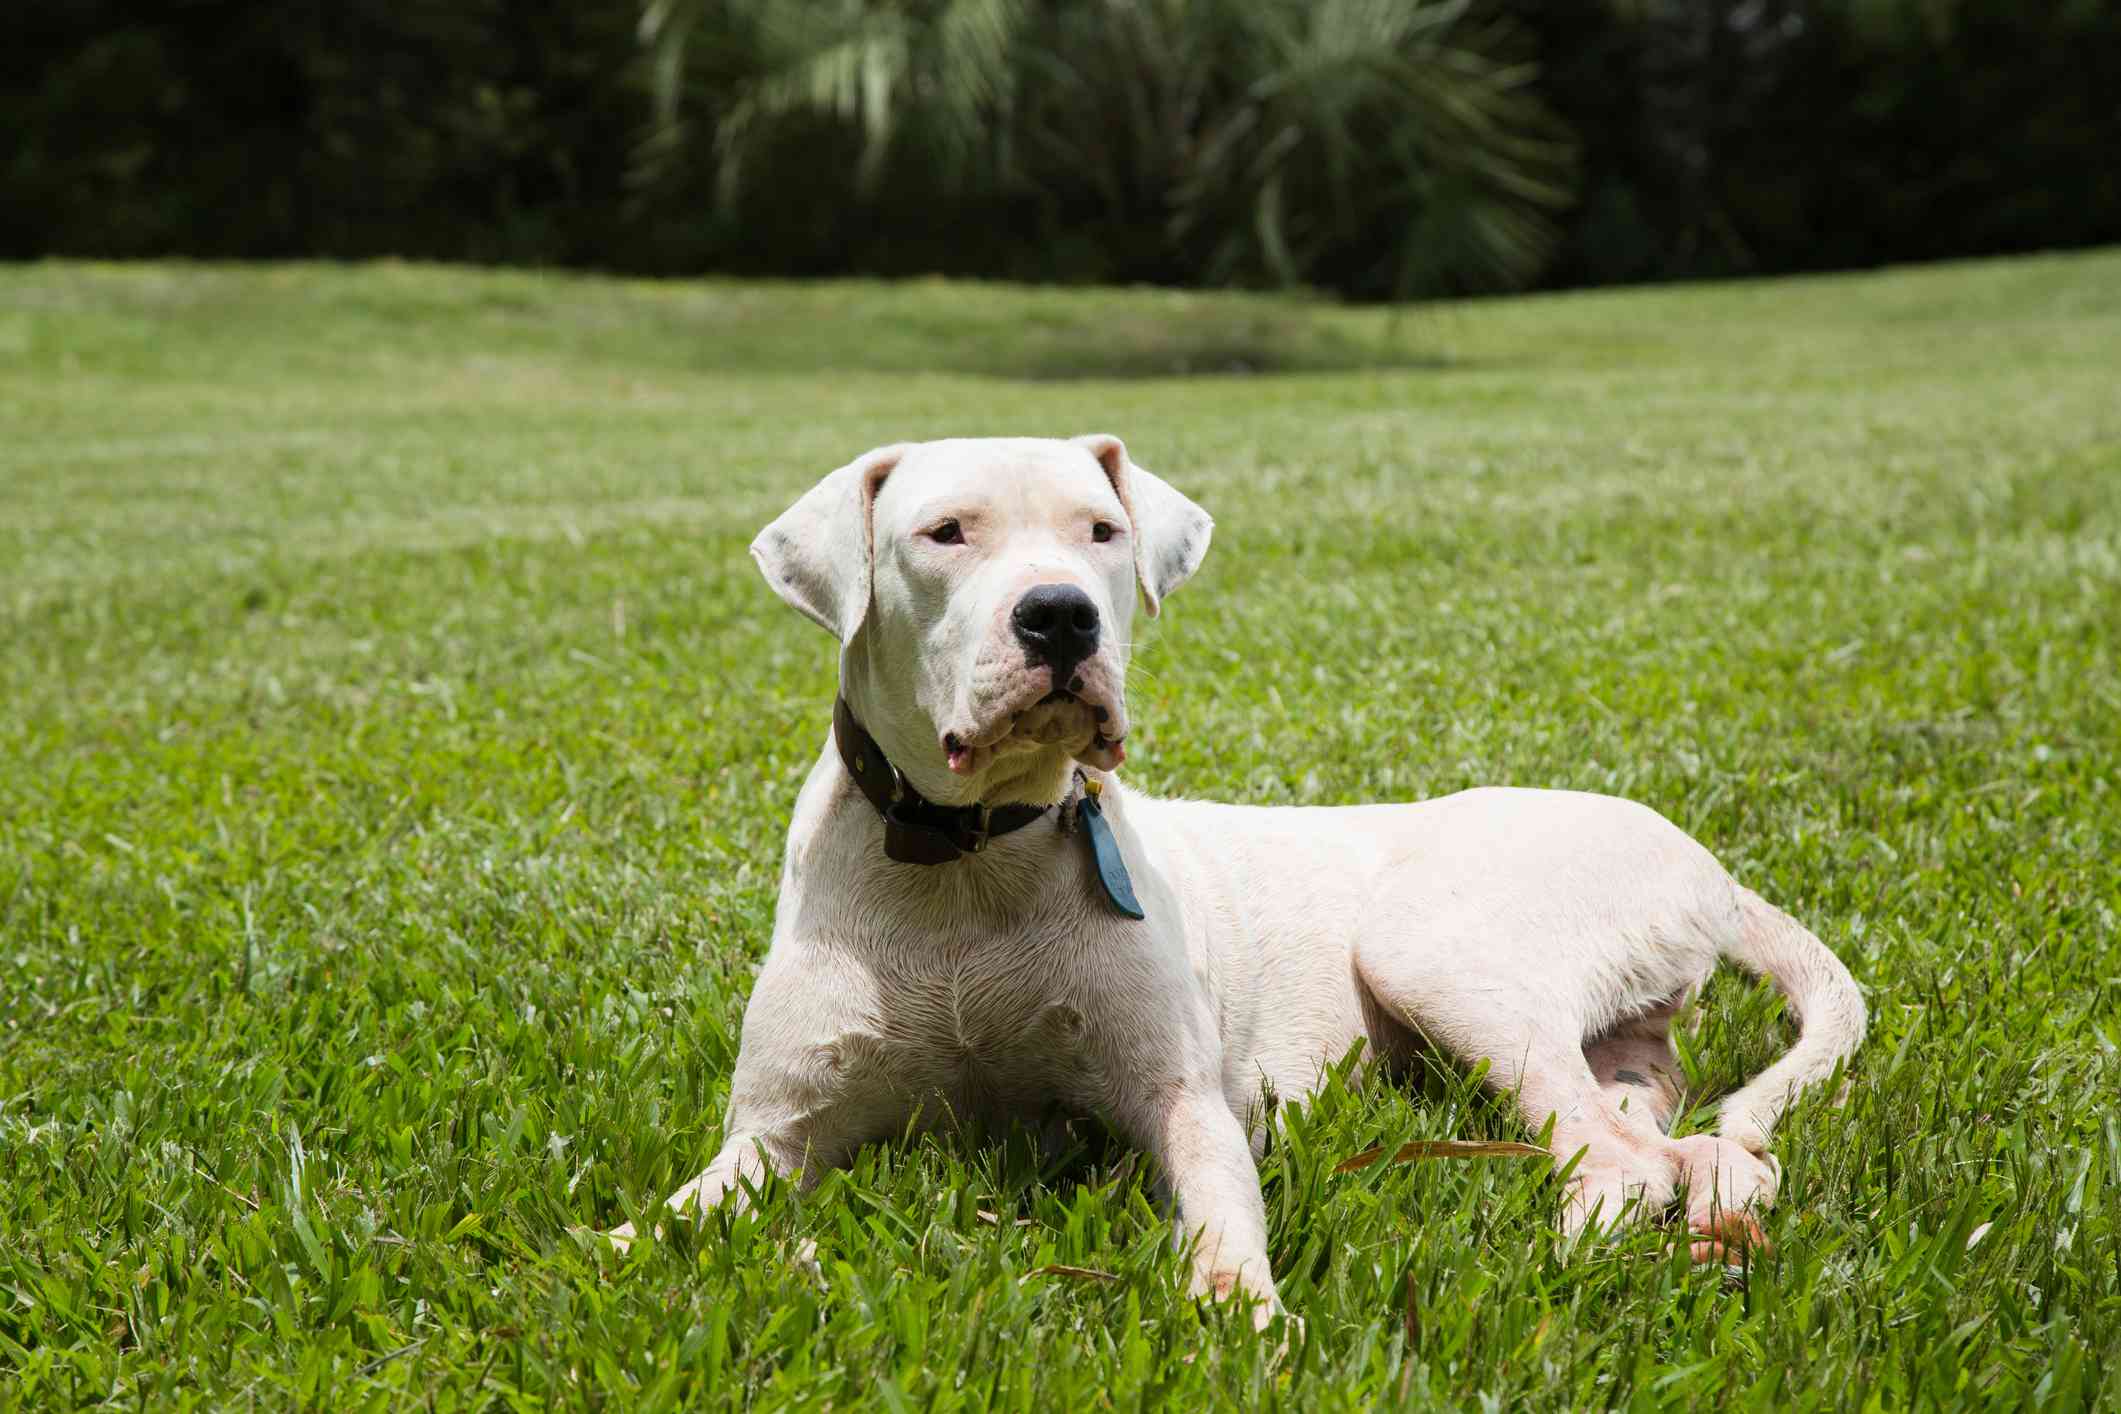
(916,830)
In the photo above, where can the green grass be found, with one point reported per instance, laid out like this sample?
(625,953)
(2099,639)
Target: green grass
(398,746)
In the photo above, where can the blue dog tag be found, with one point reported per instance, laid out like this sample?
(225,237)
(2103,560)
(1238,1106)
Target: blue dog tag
(1104,853)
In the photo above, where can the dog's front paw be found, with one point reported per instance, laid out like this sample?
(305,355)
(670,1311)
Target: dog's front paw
(1223,1285)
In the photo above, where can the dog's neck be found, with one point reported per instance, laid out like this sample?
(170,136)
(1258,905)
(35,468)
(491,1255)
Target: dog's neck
(916,829)
(877,771)
(1042,776)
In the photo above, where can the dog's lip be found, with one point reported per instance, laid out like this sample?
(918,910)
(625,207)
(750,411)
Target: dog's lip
(1005,721)
(963,749)
(1100,714)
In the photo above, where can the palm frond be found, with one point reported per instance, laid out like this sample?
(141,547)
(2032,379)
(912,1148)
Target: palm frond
(1236,139)
(879,69)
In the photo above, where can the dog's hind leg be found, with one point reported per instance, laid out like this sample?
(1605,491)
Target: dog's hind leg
(1534,1049)
(1626,1167)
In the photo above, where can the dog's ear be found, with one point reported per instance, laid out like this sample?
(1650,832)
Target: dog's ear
(817,554)
(1170,532)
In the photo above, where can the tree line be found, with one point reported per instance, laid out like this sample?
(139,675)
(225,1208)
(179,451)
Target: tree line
(1377,148)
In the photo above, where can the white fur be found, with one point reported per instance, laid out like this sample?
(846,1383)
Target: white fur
(1549,934)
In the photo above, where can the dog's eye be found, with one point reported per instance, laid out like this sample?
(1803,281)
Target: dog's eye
(1104,530)
(948,533)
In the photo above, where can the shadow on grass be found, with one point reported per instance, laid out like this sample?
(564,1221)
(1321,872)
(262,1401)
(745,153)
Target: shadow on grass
(151,313)
(1039,335)
(1208,342)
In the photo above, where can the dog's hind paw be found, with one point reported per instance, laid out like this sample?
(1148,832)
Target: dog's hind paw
(1730,1240)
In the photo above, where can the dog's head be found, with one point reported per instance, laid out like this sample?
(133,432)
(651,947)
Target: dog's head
(983,595)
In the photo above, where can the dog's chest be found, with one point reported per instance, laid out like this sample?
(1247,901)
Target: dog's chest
(990,1027)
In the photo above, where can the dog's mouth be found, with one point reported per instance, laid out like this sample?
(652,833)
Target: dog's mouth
(1089,730)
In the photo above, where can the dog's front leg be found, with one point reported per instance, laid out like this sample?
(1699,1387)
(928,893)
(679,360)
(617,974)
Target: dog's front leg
(746,1157)
(801,1068)
(1209,1160)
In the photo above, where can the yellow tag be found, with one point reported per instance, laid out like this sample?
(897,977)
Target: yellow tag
(1093,785)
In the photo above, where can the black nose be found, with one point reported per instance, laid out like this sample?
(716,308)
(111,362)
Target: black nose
(1057,624)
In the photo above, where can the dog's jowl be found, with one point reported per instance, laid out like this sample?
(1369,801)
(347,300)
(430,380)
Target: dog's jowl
(978,921)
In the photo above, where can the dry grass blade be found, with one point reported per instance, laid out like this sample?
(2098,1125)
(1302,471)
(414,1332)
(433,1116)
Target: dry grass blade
(1439,1149)
(1058,1269)
(1411,1323)
(1411,1318)
(994,1220)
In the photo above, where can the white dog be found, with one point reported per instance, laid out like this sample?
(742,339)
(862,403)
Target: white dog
(957,939)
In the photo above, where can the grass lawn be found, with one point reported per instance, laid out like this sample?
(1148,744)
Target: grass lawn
(398,745)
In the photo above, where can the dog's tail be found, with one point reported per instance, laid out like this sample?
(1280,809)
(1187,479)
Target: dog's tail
(1829,1008)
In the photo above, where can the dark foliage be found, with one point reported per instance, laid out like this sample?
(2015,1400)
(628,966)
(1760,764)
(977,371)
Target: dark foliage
(483,130)
(1760,136)
(1174,141)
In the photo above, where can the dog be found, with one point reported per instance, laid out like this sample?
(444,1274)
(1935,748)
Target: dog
(979,924)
